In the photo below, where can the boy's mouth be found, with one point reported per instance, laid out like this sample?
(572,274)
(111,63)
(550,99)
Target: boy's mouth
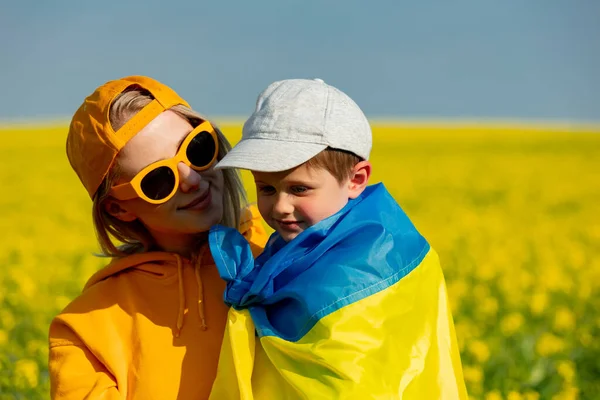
(289,225)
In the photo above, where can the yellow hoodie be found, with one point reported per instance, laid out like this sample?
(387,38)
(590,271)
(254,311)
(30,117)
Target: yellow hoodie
(147,326)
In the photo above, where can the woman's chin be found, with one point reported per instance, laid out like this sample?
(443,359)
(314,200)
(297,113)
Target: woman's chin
(203,222)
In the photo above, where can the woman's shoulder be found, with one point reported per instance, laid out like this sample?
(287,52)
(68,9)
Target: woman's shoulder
(98,296)
(96,304)
(253,229)
(115,289)
(249,217)
(94,307)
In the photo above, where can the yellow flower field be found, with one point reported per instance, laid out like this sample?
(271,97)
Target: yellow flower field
(514,213)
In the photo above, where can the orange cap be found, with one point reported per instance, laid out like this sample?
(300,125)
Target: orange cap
(92,144)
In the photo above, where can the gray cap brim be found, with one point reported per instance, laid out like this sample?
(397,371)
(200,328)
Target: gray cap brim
(267,155)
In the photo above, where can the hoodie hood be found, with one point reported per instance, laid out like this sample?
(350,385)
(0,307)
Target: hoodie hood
(150,261)
(155,263)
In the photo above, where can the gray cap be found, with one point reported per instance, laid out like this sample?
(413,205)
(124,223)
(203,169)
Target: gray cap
(295,120)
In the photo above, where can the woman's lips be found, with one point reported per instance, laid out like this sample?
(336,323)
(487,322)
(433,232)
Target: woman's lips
(199,203)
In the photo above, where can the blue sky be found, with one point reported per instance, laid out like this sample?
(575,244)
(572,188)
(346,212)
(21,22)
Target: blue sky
(515,59)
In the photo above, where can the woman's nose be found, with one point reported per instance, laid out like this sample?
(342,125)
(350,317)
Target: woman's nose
(189,180)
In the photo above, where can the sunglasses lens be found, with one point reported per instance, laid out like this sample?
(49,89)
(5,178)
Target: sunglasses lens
(201,149)
(158,183)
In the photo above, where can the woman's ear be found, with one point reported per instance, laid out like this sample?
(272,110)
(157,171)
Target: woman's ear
(118,210)
(359,179)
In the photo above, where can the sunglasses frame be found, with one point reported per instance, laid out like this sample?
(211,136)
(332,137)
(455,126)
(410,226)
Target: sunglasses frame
(133,188)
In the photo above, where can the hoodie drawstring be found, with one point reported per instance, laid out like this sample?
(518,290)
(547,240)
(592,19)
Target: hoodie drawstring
(201,311)
(181,296)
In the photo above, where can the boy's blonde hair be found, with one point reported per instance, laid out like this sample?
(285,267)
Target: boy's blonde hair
(133,236)
(338,163)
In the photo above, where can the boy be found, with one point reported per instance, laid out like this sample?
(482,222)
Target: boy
(348,299)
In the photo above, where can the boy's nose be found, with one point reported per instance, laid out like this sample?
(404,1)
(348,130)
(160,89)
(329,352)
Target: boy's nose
(282,206)
(189,180)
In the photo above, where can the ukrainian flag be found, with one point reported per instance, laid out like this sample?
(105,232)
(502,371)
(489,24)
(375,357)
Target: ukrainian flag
(355,307)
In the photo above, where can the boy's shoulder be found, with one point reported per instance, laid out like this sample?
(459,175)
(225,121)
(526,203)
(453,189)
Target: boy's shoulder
(360,251)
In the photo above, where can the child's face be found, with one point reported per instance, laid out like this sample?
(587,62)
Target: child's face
(291,201)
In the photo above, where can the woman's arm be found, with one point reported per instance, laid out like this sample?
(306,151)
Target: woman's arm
(75,373)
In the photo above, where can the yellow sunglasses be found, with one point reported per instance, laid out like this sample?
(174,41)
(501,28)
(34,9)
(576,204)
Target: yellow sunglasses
(158,182)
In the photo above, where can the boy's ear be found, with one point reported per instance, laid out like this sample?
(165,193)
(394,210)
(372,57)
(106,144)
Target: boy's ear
(118,210)
(359,179)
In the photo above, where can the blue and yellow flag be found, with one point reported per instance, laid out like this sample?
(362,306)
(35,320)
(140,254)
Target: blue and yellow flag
(355,307)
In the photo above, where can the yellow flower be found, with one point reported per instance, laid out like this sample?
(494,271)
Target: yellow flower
(493,395)
(538,303)
(25,283)
(485,271)
(473,374)
(554,279)
(26,374)
(465,330)
(489,306)
(549,344)
(481,292)
(3,337)
(7,320)
(514,396)
(479,350)
(577,257)
(530,395)
(456,291)
(566,369)
(567,393)
(584,290)
(511,323)
(564,319)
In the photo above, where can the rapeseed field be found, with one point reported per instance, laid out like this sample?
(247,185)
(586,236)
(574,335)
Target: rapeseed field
(513,211)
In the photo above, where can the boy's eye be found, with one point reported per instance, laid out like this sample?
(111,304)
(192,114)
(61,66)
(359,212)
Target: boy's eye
(299,189)
(266,189)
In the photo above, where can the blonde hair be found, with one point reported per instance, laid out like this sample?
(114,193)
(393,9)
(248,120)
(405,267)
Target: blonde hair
(338,163)
(134,236)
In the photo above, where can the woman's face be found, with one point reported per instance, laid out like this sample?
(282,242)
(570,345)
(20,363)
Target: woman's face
(197,205)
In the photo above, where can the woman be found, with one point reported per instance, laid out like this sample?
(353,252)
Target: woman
(150,324)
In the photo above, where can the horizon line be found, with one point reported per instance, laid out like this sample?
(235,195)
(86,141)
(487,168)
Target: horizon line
(549,123)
